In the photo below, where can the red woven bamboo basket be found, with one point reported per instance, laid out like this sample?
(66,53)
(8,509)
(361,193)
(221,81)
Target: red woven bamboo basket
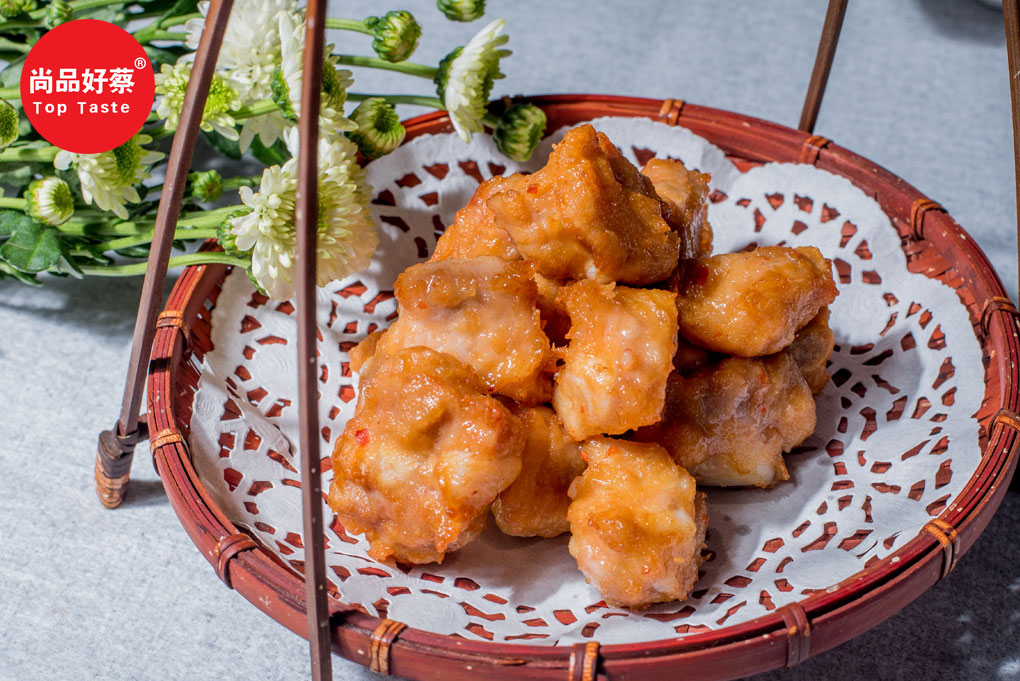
(934,245)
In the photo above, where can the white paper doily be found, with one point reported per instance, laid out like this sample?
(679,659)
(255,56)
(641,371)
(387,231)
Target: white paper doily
(896,438)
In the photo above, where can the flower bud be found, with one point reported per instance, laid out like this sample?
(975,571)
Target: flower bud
(396,35)
(379,129)
(519,131)
(461,10)
(281,94)
(206,187)
(227,239)
(57,12)
(8,124)
(49,201)
(12,8)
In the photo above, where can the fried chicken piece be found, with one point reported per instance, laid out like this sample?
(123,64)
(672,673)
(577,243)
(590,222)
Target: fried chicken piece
(483,312)
(423,458)
(536,503)
(730,423)
(637,524)
(361,353)
(686,193)
(473,232)
(589,214)
(622,343)
(812,348)
(751,304)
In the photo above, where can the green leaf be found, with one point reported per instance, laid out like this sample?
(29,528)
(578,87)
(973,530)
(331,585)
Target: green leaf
(168,5)
(11,75)
(181,7)
(228,148)
(11,220)
(110,13)
(20,177)
(24,127)
(275,155)
(7,270)
(32,248)
(164,55)
(133,252)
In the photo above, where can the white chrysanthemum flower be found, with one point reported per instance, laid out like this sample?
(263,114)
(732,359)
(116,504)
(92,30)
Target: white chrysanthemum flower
(108,179)
(346,234)
(466,75)
(288,78)
(249,55)
(251,44)
(172,83)
(49,201)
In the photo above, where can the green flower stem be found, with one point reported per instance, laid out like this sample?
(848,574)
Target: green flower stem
(417,100)
(145,238)
(22,155)
(10,93)
(256,109)
(175,21)
(15,26)
(349,25)
(11,46)
(231,183)
(81,6)
(19,204)
(137,268)
(420,70)
(208,218)
(146,36)
(188,221)
(91,228)
(268,106)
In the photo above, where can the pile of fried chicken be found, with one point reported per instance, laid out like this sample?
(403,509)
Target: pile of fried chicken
(573,359)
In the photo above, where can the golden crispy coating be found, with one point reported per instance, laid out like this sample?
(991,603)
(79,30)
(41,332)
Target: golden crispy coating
(423,458)
(751,304)
(730,423)
(589,214)
(622,342)
(705,240)
(365,350)
(474,232)
(686,193)
(536,503)
(637,524)
(812,348)
(483,312)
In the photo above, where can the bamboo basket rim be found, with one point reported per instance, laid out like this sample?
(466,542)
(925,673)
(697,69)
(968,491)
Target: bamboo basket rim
(783,637)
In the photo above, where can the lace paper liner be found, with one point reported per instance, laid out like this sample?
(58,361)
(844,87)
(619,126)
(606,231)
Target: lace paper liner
(907,381)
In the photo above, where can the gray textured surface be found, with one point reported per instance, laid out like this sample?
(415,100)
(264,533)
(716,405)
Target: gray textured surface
(919,86)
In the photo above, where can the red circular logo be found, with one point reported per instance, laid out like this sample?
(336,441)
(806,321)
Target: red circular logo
(87,86)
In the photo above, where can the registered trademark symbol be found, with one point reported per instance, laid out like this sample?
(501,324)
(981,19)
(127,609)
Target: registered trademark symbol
(140,63)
